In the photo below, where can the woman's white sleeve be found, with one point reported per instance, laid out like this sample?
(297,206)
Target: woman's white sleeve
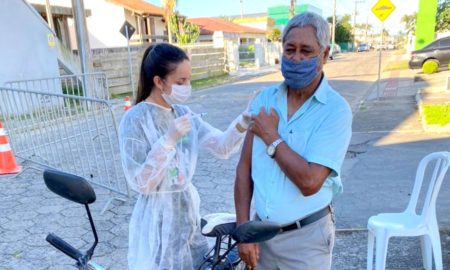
(145,166)
(220,144)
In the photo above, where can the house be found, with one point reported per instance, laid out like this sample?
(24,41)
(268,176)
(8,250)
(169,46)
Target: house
(256,20)
(104,18)
(220,31)
(279,15)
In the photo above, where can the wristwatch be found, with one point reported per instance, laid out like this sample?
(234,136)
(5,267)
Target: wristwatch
(272,147)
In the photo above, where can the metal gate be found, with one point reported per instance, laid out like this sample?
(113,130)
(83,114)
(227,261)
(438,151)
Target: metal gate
(66,132)
(88,85)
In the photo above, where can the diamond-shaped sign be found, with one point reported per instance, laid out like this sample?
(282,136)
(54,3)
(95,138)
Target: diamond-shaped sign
(127,26)
(382,9)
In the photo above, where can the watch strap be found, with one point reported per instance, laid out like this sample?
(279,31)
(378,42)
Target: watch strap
(274,144)
(277,142)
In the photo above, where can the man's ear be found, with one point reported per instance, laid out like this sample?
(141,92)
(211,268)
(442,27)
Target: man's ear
(326,54)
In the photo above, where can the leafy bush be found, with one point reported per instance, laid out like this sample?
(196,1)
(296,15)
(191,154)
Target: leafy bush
(437,114)
(72,89)
(430,66)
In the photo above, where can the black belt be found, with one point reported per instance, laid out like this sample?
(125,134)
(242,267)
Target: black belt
(307,220)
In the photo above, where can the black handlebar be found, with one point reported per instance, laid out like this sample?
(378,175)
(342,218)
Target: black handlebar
(64,246)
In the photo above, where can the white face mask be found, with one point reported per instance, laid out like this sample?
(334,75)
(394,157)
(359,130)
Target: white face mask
(179,94)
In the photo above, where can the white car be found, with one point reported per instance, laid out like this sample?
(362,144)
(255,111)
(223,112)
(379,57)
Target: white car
(334,50)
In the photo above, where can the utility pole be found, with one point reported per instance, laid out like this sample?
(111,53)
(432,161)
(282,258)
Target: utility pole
(333,31)
(367,26)
(84,50)
(48,11)
(354,21)
(292,9)
(242,9)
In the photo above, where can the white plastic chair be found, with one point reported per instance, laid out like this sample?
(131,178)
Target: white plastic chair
(409,223)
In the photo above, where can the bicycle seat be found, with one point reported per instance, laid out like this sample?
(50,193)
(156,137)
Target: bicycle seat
(256,231)
(69,186)
(218,224)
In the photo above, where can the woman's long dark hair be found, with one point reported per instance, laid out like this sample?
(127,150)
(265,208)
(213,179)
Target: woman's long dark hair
(158,60)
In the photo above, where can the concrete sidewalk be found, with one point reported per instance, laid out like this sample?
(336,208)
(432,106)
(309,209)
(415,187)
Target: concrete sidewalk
(387,144)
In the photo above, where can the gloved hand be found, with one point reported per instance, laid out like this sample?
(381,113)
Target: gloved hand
(244,120)
(177,129)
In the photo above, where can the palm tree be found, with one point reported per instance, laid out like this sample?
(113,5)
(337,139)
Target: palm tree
(168,6)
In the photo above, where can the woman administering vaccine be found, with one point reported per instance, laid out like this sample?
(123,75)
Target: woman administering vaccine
(159,143)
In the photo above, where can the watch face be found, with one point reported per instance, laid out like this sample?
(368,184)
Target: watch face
(270,150)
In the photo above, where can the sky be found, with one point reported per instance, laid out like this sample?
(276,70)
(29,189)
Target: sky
(215,8)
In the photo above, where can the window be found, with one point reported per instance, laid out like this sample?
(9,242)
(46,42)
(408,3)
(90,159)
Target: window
(432,45)
(445,42)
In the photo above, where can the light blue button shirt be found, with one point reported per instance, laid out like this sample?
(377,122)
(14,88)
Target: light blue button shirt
(320,132)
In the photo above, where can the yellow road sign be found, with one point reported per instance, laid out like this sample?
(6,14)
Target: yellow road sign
(382,9)
(51,40)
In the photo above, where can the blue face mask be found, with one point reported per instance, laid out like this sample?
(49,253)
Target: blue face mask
(298,75)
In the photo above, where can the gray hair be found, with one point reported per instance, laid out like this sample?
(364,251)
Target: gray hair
(314,20)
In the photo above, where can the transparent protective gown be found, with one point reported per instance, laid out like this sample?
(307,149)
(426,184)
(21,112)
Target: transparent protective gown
(164,227)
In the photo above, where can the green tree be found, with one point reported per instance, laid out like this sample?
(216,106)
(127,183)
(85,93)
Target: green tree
(185,32)
(443,17)
(410,22)
(363,26)
(343,29)
(274,34)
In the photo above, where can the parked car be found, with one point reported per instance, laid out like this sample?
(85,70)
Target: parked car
(437,51)
(362,48)
(334,50)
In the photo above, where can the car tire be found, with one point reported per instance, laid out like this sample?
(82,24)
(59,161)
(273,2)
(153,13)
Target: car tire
(430,66)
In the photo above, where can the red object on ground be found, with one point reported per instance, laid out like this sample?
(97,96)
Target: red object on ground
(127,103)
(7,161)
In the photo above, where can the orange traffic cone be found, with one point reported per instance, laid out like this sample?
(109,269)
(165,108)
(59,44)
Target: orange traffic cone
(7,160)
(127,103)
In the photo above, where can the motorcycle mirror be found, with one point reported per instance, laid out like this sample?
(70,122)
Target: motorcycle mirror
(69,186)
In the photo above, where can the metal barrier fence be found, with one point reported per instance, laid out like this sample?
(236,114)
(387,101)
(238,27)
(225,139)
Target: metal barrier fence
(66,132)
(88,85)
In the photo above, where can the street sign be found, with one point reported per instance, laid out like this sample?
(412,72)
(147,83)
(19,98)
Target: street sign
(51,40)
(127,31)
(127,26)
(382,9)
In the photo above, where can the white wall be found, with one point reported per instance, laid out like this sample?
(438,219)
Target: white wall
(24,53)
(24,48)
(103,25)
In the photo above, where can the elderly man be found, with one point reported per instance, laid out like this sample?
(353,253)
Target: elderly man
(291,159)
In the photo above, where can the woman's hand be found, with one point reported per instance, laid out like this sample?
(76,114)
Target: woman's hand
(265,125)
(177,129)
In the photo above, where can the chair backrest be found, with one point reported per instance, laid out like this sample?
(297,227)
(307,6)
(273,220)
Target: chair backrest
(441,162)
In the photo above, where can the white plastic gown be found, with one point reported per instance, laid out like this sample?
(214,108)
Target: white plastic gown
(164,227)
